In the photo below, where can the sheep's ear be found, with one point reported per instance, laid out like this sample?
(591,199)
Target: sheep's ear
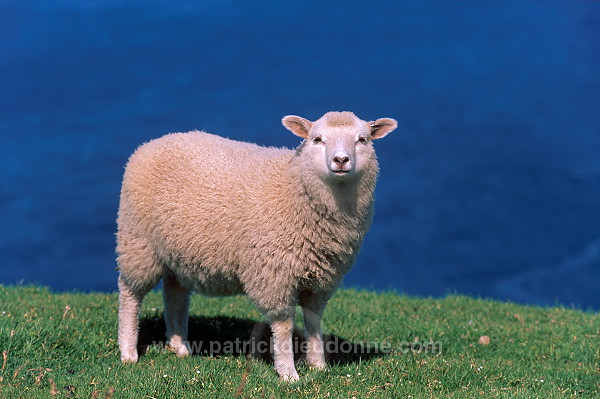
(297,125)
(381,127)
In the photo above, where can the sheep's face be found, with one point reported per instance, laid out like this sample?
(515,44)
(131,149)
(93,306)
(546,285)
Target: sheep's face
(338,146)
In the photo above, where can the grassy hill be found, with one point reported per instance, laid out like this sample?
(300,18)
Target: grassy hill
(380,346)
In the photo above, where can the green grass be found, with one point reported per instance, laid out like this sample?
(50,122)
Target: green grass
(64,345)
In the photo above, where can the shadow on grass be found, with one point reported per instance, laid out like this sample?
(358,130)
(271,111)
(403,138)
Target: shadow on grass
(229,336)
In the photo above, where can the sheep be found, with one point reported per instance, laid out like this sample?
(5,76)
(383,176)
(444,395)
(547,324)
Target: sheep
(223,217)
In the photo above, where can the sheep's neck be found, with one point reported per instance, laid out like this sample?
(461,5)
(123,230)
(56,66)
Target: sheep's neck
(350,200)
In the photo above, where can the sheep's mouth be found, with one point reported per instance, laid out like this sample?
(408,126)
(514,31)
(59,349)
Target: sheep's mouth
(340,172)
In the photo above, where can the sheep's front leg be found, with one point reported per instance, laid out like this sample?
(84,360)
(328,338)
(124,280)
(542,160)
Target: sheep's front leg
(177,302)
(313,306)
(282,326)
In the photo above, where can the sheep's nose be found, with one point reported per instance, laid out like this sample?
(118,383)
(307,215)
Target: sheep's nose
(341,159)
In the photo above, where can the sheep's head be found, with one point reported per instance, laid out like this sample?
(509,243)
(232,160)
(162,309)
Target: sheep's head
(339,145)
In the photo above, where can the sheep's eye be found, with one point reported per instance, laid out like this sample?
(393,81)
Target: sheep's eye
(317,140)
(362,140)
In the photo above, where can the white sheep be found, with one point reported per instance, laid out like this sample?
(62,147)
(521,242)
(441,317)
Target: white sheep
(223,217)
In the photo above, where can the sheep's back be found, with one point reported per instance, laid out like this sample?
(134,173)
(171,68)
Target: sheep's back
(195,195)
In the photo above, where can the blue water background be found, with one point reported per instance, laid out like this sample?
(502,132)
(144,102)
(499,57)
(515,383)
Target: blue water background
(490,186)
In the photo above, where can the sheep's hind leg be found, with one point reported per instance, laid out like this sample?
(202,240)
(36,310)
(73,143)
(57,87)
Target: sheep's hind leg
(130,303)
(282,326)
(313,306)
(177,301)
(138,274)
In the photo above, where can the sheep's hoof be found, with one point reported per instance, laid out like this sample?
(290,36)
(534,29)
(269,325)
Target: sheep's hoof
(292,377)
(182,353)
(180,350)
(130,356)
